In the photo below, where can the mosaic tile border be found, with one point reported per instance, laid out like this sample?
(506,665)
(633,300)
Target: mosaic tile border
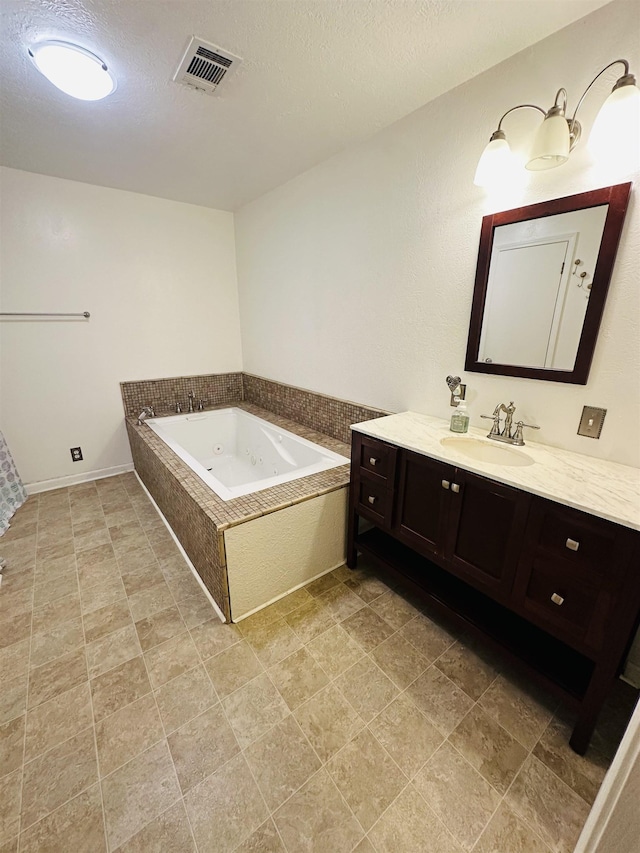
(214,388)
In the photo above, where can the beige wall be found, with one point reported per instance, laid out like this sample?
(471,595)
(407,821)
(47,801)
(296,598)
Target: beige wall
(356,278)
(159,280)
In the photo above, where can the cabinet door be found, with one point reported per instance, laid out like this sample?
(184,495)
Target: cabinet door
(485,532)
(422,503)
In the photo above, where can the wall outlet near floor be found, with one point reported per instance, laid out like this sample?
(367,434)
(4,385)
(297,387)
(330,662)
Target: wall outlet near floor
(76,454)
(591,421)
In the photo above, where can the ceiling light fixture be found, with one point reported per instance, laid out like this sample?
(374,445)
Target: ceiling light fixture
(74,70)
(556,137)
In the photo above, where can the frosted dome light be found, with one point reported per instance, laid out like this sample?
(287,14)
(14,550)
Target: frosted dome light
(73,70)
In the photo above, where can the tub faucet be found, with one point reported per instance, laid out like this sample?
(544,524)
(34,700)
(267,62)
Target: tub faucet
(147,412)
(191,399)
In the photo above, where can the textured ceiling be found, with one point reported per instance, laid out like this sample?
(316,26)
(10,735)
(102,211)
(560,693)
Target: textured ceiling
(317,76)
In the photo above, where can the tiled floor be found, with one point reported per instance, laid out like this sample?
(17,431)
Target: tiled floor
(340,719)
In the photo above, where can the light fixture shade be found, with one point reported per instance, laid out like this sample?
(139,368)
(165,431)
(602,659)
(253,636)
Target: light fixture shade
(550,145)
(495,163)
(73,70)
(617,125)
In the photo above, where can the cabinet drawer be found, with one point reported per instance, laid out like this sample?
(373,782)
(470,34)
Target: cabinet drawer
(375,501)
(566,601)
(377,459)
(582,541)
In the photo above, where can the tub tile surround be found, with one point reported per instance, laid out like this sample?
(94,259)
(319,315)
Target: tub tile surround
(214,388)
(301,728)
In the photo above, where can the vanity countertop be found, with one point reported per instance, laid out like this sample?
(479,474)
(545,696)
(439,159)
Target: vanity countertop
(605,489)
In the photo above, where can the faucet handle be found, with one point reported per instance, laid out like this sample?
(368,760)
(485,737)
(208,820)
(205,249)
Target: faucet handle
(517,436)
(178,407)
(495,429)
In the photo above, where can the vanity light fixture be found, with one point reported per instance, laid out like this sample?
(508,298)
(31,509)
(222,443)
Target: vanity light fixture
(73,69)
(556,137)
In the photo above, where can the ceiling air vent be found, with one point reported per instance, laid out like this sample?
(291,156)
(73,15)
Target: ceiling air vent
(204,66)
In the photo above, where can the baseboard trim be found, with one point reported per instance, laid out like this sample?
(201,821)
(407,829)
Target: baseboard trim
(74,479)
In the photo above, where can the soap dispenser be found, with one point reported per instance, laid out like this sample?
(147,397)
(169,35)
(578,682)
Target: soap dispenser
(460,418)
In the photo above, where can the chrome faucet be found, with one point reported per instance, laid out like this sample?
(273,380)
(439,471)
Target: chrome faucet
(191,399)
(505,432)
(147,412)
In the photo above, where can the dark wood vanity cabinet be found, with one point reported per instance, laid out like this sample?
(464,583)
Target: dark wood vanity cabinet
(552,587)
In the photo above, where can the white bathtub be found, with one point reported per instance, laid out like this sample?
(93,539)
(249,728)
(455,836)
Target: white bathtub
(236,453)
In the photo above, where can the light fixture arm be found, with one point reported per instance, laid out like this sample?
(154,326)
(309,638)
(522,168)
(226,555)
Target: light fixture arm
(520,107)
(598,75)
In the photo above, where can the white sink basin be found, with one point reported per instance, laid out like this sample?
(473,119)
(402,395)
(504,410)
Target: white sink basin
(485,451)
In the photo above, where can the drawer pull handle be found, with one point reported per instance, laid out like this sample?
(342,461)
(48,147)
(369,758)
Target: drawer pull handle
(572,545)
(557,599)
(455,488)
(373,461)
(372,499)
(445,484)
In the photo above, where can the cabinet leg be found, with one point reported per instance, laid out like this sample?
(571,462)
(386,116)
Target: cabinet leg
(352,551)
(597,691)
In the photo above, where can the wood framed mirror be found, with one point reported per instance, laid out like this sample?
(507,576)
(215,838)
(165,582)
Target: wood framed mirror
(541,284)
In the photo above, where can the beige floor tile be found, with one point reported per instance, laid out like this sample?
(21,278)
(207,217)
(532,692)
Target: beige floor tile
(151,600)
(409,826)
(57,720)
(14,629)
(56,677)
(489,748)
(458,795)
(506,831)
(138,792)
(335,651)
(341,602)
(13,698)
(128,732)
(171,659)
(11,745)
(328,721)
(366,587)
(57,776)
(298,678)
(139,572)
(226,808)
(20,579)
(77,825)
(468,666)
(291,602)
(317,820)
(214,636)
(429,638)
(50,615)
(201,746)
(274,642)
(182,584)
(106,620)
(407,735)
(112,650)
(582,773)
(232,668)
(367,688)
(52,590)
(524,711)
(168,833)
(54,534)
(394,609)
(310,620)
(281,762)
(101,594)
(322,584)
(94,557)
(118,687)
(264,840)
(15,602)
(196,609)
(103,575)
(10,786)
(184,697)
(90,539)
(56,642)
(555,812)
(367,777)
(440,699)
(367,628)
(401,661)
(13,660)
(159,627)
(254,709)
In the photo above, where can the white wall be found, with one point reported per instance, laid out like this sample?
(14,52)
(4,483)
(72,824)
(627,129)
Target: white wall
(159,279)
(356,277)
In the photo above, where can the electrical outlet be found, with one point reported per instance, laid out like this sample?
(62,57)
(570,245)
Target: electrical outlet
(591,421)
(76,454)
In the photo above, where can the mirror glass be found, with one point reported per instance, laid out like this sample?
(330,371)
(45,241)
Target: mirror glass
(541,282)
